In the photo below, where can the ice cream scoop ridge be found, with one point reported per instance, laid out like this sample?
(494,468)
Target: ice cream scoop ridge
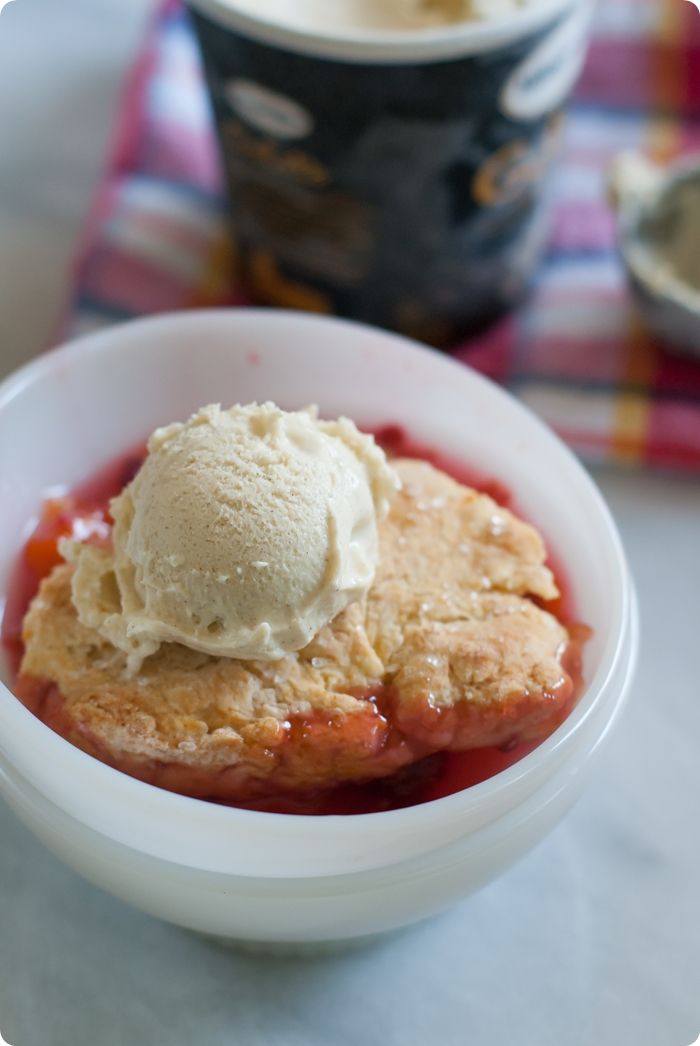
(244,532)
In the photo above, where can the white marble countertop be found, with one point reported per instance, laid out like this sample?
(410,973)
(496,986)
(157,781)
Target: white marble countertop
(593,938)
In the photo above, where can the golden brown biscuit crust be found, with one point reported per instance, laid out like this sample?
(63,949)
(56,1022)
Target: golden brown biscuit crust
(448,650)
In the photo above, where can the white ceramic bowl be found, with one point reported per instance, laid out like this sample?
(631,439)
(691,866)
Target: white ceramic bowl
(264,877)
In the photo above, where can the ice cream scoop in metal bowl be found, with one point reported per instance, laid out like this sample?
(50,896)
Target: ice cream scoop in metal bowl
(659,238)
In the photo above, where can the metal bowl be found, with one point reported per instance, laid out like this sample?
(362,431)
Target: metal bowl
(656,210)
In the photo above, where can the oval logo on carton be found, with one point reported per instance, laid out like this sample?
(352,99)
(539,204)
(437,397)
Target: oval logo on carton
(543,81)
(268,111)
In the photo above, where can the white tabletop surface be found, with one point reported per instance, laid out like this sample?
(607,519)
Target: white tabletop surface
(594,938)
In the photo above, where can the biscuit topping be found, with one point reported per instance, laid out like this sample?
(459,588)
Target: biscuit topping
(449,651)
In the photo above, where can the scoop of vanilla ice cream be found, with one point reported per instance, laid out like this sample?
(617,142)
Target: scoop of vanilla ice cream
(244,533)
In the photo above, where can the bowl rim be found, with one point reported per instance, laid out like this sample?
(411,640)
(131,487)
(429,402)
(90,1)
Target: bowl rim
(25,726)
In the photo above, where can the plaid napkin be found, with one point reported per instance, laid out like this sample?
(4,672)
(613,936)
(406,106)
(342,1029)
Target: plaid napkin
(575,353)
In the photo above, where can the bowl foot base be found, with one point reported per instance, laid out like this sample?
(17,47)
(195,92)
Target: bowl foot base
(299,949)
